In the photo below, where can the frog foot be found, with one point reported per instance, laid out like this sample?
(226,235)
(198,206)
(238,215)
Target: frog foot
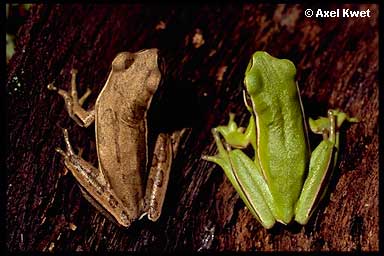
(237,137)
(323,125)
(69,150)
(222,157)
(73,104)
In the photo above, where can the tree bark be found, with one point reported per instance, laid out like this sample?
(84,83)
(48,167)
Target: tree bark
(205,49)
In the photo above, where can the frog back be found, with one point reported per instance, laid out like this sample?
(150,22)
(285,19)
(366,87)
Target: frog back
(282,147)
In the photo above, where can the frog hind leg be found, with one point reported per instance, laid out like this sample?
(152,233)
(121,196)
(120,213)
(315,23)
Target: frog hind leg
(98,206)
(158,177)
(321,167)
(82,117)
(242,173)
(164,152)
(91,180)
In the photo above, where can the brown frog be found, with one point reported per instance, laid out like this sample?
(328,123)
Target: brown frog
(121,186)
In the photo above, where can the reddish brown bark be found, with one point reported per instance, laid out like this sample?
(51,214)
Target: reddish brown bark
(337,63)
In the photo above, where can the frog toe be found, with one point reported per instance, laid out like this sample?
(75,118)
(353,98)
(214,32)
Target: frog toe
(67,143)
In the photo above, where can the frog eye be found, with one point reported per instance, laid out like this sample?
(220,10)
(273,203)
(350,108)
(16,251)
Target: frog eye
(122,61)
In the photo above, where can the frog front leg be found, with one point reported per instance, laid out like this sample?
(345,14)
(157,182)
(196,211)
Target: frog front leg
(93,182)
(73,104)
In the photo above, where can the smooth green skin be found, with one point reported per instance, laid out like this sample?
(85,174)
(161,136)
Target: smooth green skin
(272,185)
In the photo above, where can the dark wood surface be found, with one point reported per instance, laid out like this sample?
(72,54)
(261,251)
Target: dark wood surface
(337,63)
